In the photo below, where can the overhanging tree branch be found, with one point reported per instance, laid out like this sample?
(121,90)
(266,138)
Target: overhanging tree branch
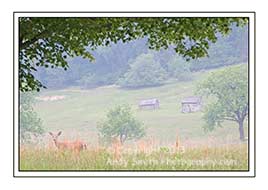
(23,45)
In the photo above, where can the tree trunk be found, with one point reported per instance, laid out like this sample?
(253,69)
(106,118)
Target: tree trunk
(122,138)
(241,131)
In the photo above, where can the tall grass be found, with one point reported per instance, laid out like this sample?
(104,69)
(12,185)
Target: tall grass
(117,157)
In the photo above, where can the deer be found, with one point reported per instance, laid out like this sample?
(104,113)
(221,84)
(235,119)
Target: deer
(75,146)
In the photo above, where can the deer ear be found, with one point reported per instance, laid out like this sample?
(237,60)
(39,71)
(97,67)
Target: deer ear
(59,133)
(50,133)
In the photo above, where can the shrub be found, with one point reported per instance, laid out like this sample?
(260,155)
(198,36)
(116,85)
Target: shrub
(120,123)
(30,123)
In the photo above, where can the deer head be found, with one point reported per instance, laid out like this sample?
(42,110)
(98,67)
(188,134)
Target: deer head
(55,136)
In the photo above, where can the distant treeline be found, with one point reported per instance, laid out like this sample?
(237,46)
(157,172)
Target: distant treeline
(133,64)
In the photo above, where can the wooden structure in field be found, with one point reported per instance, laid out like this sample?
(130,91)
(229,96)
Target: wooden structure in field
(149,103)
(191,104)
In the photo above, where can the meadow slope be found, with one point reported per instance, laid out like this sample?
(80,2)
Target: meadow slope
(79,112)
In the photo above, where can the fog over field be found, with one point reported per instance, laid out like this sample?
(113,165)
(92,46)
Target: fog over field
(133,103)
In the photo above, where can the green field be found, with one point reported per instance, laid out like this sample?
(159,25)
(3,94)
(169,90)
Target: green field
(173,141)
(78,114)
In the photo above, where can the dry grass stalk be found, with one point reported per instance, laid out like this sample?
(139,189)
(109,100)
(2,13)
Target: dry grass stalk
(141,146)
(117,148)
(178,145)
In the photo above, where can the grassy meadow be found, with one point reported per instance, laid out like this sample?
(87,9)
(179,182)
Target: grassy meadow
(174,140)
(228,157)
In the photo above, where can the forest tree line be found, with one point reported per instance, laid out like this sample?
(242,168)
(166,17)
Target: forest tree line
(123,64)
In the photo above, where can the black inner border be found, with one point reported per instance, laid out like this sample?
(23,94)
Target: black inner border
(14,38)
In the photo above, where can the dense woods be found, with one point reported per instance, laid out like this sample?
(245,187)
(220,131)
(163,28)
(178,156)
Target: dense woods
(118,63)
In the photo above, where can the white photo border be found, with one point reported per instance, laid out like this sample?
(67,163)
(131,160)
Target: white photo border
(110,173)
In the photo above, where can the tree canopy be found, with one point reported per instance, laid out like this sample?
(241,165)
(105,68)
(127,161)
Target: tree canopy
(144,72)
(49,41)
(228,89)
(120,123)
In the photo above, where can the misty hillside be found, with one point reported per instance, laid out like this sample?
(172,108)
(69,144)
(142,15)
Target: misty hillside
(122,64)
